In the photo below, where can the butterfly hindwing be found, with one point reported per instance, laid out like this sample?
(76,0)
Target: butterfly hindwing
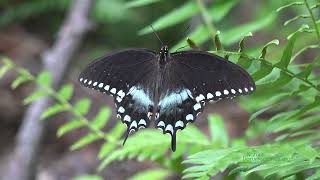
(120,75)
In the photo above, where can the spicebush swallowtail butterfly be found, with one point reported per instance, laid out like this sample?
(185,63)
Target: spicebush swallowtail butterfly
(168,88)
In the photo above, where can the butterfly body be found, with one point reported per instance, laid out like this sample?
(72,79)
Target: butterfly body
(169,89)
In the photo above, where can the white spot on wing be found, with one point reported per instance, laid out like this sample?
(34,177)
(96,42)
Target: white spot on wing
(121,109)
(209,96)
(233,91)
(245,89)
(179,124)
(142,122)
(197,106)
(240,91)
(161,124)
(200,98)
(95,83)
(85,81)
(251,88)
(218,93)
(107,87)
(119,99)
(81,79)
(169,128)
(101,85)
(127,118)
(189,117)
(113,90)
(89,82)
(226,92)
(133,124)
(121,93)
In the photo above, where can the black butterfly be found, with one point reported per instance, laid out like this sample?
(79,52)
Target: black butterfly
(170,88)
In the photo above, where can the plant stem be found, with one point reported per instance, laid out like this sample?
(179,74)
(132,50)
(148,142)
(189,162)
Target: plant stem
(313,19)
(207,18)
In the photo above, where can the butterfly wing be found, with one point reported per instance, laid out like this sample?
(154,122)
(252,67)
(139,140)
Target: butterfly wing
(192,79)
(127,76)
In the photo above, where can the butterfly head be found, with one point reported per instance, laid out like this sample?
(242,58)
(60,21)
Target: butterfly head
(164,53)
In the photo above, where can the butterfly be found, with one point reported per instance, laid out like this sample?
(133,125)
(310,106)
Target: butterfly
(169,89)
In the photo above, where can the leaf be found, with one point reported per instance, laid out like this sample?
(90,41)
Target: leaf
(244,62)
(308,152)
(258,113)
(138,3)
(114,135)
(265,47)
(34,96)
(219,136)
(201,33)
(297,3)
(52,110)
(88,177)
(280,82)
(235,34)
(82,106)
(20,80)
(44,78)
(176,16)
(287,53)
(264,70)
(306,72)
(83,141)
(66,92)
(154,174)
(6,67)
(241,44)
(69,126)
(102,118)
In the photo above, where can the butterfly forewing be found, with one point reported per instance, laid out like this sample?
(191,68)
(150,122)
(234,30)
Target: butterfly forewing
(128,76)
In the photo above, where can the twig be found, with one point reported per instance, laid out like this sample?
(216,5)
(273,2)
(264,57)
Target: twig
(23,160)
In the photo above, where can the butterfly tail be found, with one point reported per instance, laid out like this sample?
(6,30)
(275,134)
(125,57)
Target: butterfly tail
(173,142)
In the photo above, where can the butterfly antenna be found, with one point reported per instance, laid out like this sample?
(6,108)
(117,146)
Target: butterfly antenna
(155,33)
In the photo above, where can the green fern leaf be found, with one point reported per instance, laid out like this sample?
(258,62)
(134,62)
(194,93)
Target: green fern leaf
(44,78)
(154,174)
(66,92)
(7,65)
(52,110)
(139,3)
(34,96)
(102,118)
(69,126)
(83,141)
(82,106)
(264,70)
(219,136)
(114,135)
(176,16)
(287,53)
(18,81)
